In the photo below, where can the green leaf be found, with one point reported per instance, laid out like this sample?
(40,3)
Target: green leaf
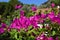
(53,33)
(43,29)
(29,32)
(35,32)
(30,27)
(31,38)
(13,33)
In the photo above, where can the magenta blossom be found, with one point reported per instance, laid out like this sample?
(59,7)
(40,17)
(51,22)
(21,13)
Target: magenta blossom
(38,38)
(3,25)
(50,38)
(2,30)
(56,38)
(51,15)
(43,37)
(15,24)
(56,20)
(18,6)
(34,8)
(34,23)
(24,21)
(58,15)
(52,5)
(34,20)
(36,17)
(43,15)
(21,12)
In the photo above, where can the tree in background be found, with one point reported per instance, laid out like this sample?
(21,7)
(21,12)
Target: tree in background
(14,2)
(57,2)
(2,7)
(7,9)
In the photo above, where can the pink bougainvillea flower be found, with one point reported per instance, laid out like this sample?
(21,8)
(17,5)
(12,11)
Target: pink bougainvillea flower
(15,24)
(34,20)
(56,38)
(18,6)
(27,23)
(12,25)
(37,17)
(3,25)
(58,15)
(41,20)
(38,38)
(34,8)
(33,23)
(8,29)
(50,38)
(52,5)
(42,37)
(51,15)
(56,20)
(2,30)
(43,15)
(24,21)
(21,12)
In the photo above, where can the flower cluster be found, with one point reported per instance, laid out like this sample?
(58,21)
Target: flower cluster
(37,21)
(3,25)
(43,37)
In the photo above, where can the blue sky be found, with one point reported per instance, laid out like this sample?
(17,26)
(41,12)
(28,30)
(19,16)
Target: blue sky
(36,2)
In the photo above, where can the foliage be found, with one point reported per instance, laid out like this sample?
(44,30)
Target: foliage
(25,23)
